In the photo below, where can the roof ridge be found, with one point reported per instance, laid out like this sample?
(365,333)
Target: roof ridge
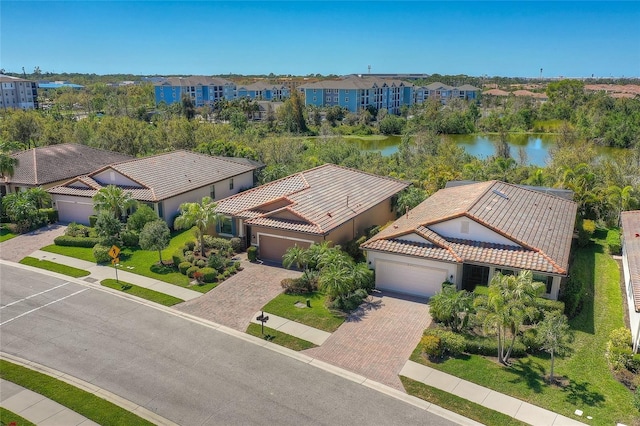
(482,194)
(358,171)
(35,166)
(437,243)
(265,185)
(113,166)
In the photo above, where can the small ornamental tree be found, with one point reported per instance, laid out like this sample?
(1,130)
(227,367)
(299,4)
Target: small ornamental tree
(554,336)
(155,236)
(138,219)
(108,229)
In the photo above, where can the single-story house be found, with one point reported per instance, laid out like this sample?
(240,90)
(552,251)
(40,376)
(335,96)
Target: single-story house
(465,234)
(52,165)
(326,203)
(631,268)
(162,181)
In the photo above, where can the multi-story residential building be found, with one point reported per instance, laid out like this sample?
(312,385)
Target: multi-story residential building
(444,93)
(263,91)
(202,90)
(356,93)
(18,93)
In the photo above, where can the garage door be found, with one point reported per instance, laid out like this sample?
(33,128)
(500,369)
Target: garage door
(408,278)
(69,211)
(273,248)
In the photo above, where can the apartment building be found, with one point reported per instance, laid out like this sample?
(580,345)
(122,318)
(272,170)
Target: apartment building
(444,92)
(18,93)
(263,91)
(202,90)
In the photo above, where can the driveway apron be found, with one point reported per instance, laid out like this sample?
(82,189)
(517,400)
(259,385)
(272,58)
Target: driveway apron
(235,302)
(377,340)
(23,245)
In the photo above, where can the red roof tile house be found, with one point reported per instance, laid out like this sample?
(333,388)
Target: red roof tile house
(326,203)
(631,267)
(52,165)
(465,234)
(162,181)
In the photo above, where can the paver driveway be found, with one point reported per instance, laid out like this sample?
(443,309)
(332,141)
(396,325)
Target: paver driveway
(23,245)
(234,302)
(377,341)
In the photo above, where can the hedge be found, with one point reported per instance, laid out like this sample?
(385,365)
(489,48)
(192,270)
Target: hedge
(613,242)
(252,253)
(488,346)
(177,257)
(101,253)
(52,214)
(87,242)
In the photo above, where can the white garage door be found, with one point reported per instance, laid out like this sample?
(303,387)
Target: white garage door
(69,211)
(408,278)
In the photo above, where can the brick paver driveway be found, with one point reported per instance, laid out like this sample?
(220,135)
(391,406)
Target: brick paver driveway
(377,341)
(234,302)
(21,246)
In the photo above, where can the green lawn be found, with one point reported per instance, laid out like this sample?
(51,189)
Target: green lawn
(144,293)
(54,267)
(92,407)
(144,262)
(5,234)
(458,405)
(318,316)
(591,386)
(7,417)
(281,339)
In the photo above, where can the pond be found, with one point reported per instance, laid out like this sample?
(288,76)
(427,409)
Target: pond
(536,146)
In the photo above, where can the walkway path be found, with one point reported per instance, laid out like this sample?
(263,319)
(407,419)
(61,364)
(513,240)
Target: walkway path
(301,331)
(19,247)
(505,404)
(101,272)
(43,411)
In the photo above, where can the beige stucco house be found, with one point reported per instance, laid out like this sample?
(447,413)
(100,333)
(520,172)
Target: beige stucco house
(465,234)
(326,203)
(631,269)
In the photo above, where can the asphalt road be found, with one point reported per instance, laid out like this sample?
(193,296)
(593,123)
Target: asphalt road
(185,371)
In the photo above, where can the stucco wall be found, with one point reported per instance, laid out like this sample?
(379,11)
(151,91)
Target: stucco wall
(477,232)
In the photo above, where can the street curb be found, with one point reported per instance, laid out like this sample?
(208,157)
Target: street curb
(90,388)
(338,371)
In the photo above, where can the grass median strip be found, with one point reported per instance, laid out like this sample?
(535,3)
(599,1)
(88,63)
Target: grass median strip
(458,405)
(55,267)
(282,339)
(317,316)
(87,404)
(144,293)
(9,417)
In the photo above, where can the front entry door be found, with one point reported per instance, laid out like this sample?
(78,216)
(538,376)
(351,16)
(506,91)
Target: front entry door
(473,275)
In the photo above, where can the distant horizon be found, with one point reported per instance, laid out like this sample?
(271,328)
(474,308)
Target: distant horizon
(477,39)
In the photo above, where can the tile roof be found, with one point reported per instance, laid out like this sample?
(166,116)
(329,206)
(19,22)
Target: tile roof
(195,80)
(540,225)
(163,176)
(47,164)
(631,239)
(355,82)
(314,201)
(495,92)
(262,85)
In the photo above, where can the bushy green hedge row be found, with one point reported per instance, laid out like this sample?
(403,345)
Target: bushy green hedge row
(572,294)
(488,346)
(613,242)
(67,241)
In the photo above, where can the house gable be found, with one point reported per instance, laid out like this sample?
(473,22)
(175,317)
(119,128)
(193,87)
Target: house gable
(465,228)
(414,238)
(109,176)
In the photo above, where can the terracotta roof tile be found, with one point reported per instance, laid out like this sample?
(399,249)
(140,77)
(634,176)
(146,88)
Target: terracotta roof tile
(631,239)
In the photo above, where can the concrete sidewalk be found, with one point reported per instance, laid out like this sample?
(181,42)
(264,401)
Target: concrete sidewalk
(505,404)
(101,272)
(36,408)
(301,331)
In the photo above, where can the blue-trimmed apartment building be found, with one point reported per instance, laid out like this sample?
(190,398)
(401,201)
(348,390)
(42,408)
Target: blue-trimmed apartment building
(201,90)
(262,91)
(443,92)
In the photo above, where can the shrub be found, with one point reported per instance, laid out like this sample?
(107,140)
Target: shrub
(201,263)
(634,364)
(138,219)
(352,248)
(217,243)
(192,270)
(617,357)
(66,241)
(450,342)
(585,231)
(76,230)
(190,245)
(488,346)
(50,214)
(307,283)
(431,346)
(572,294)
(350,301)
(371,231)
(177,257)
(636,398)
(613,242)
(183,267)
(209,275)
(101,253)
(92,220)
(189,258)
(620,337)
(543,305)
(252,253)
(130,238)
(237,244)
(530,339)
(216,262)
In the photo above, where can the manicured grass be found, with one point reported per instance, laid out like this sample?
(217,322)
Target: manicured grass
(92,407)
(5,234)
(281,339)
(144,262)
(458,405)
(144,293)
(8,417)
(591,387)
(318,316)
(54,267)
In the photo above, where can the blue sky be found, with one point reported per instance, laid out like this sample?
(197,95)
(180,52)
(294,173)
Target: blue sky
(571,39)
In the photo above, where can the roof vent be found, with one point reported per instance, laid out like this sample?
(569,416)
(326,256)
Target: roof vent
(500,194)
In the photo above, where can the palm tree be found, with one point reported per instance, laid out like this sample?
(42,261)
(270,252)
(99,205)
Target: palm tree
(39,197)
(555,336)
(451,306)
(113,199)
(622,199)
(7,165)
(297,256)
(335,281)
(201,215)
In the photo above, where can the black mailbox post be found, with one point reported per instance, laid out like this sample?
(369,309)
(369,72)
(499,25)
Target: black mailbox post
(262,318)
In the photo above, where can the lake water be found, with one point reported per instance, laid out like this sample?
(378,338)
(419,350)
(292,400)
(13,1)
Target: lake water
(536,146)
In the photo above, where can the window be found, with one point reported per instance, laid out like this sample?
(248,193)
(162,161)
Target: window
(231,183)
(505,271)
(226,226)
(314,99)
(328,99)
(346,99)
(547,280)
(335,99)
(314,91)
(464,227)
(160,210)
(212,194)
